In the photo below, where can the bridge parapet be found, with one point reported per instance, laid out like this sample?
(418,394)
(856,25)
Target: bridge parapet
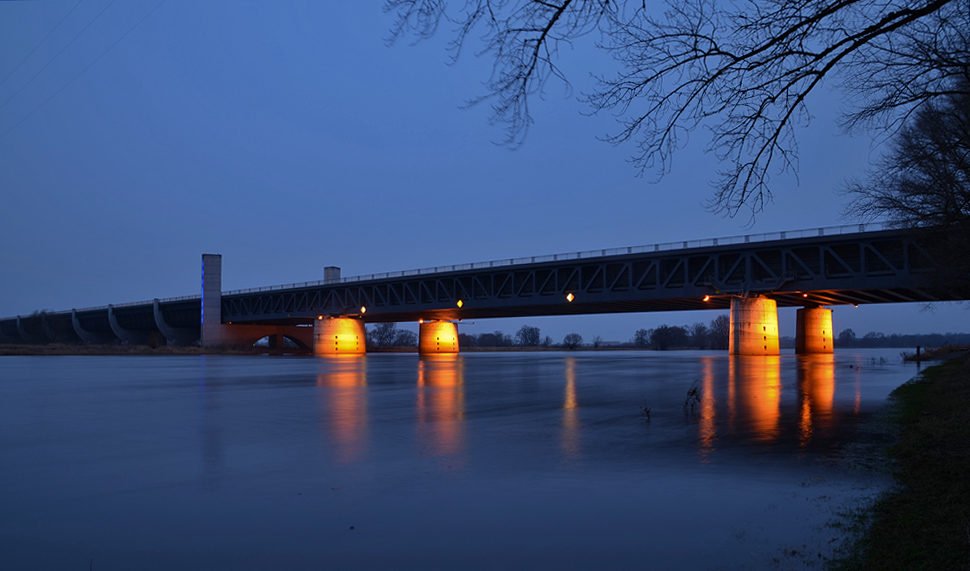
(583,255)
(873,267)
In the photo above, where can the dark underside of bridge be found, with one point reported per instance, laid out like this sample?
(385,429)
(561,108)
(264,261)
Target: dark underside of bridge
(714,302)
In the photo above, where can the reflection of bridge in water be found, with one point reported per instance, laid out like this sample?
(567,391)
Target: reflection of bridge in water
(750,275)
(751,406)
(745,400)
(346,405)
(441,403)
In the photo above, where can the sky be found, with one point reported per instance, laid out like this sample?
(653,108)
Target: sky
(288,136)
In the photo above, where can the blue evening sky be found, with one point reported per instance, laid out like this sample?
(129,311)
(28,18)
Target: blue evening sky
(287,136)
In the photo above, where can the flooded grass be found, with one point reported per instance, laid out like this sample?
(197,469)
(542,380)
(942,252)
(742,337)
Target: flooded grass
(925,522)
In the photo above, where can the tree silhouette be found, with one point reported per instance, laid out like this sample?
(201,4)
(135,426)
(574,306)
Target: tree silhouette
(743,70)
(382,334)
(667,336)
(720,332)
(572,340)
(641,338)
(923,182)
(528,336)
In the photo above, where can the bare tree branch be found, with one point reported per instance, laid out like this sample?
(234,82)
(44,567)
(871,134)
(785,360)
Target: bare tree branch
(744,70)
(923,182)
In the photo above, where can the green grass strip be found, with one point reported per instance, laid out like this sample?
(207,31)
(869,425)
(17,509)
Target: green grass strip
(925,522)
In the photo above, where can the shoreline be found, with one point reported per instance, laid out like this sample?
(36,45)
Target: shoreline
(923,522)
(72,349)
(54,349)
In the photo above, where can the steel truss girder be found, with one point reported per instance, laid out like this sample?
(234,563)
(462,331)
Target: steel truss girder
(875,267)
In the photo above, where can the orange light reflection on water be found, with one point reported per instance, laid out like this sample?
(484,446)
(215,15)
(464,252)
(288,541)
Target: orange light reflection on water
(441,402)
(570,414)
(707,426)
(756,380)
(816,392)
(345,405)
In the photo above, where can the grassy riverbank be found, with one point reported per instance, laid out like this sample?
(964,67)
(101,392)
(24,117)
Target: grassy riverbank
(925,522)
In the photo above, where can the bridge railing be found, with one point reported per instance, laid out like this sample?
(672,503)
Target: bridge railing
(663,247)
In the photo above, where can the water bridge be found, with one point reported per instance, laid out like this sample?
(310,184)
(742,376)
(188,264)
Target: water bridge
(750,275)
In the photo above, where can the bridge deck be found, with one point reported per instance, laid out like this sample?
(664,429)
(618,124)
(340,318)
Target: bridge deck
(795,268)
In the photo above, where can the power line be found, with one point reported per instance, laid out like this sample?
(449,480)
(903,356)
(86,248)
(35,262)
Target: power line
(69,12)
(65,86)
(22,87)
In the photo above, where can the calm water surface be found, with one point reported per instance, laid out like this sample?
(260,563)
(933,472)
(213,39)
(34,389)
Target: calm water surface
(493,461)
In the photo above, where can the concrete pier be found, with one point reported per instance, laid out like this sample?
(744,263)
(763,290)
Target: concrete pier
(212,300)
(339,336)
(127,336)
(754,326)
(437,337)
(813,330)
(173,335)
(90,337)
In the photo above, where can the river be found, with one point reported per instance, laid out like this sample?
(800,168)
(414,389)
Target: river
(480,461)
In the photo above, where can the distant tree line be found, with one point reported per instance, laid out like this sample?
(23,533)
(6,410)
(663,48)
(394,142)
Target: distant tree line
(526,336)
(697,336)
(848,338)
(714,335)
(388,335)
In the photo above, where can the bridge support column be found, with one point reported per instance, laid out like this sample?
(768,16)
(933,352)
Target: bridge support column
(437,337)
(813,330)
(31,330)
(754,326)
(127,336)
(173,335)
(212,300)
(339,336)
(59,329)
(89,337)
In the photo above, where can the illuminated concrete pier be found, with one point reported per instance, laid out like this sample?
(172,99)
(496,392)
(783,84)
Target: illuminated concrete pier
(437,337)
(754,326)
(813,330)
(339,336)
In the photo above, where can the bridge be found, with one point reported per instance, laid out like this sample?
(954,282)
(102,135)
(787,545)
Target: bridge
(750,275)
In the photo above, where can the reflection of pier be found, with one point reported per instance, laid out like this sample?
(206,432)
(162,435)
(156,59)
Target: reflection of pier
(707,429)
(816,392)
(757,382)
(746,402)
(345,405)
(213,447)
(441,402)
(570,414)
